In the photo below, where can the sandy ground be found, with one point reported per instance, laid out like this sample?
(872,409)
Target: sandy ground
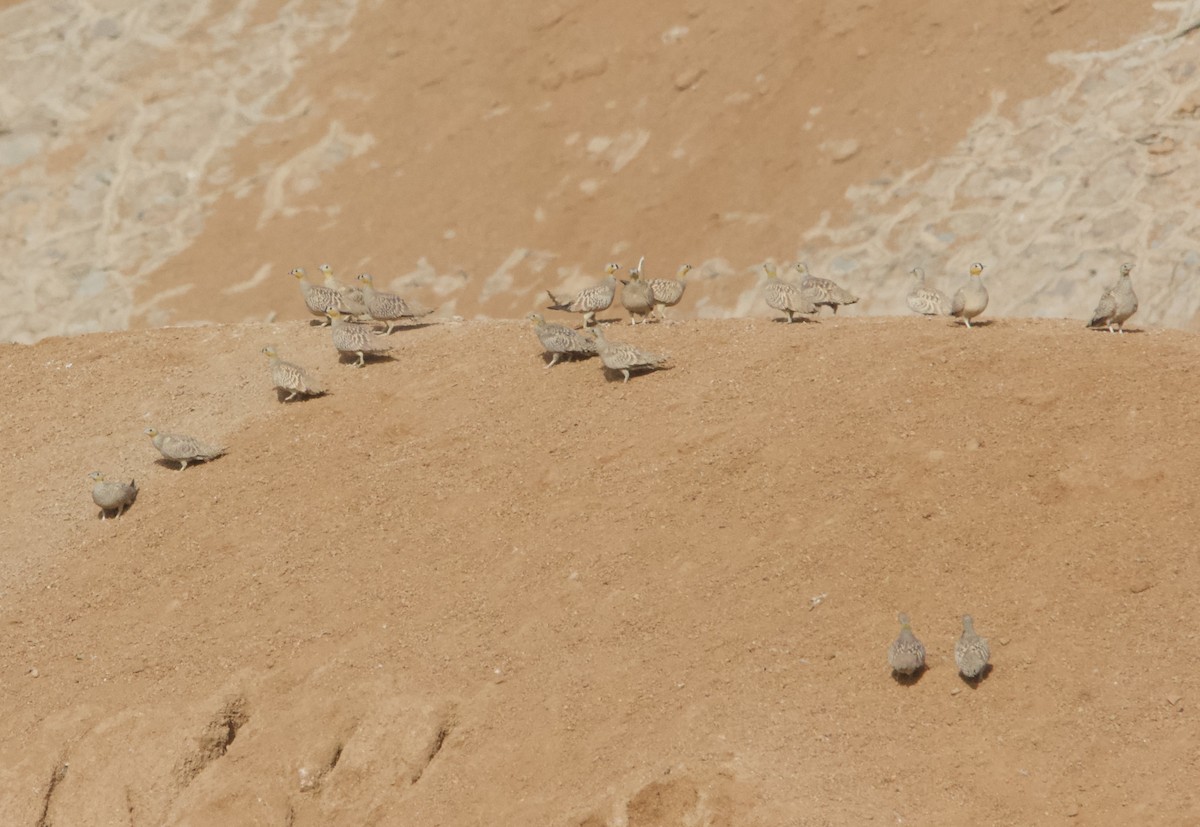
(462,589)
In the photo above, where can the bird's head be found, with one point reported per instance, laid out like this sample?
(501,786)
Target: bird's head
(151,432)
(977,269)
(611,268)
(1126,268)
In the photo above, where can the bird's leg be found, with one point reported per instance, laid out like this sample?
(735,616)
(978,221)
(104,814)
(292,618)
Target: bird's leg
(789,316)
(391,327)
(835,307)
(290,396)
(182,464)
(626,372)
(968,321)
(362,360)
(553,361)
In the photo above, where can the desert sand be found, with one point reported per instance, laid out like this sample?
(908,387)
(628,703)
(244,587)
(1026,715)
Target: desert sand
(462,589)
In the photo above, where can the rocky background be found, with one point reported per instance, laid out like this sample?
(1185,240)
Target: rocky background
(169,162)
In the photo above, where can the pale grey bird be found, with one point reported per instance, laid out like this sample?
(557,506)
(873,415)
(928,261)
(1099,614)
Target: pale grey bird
(560,341)
(785,296)
(352,337)
(668,292)
(926,300)
(112,496)
(291,378)
(386,307)
(823,292)
(906,655)
(1117,303)
(183,449)
(972,298)
(317,299)
(624,358)
(971,653)
(636,295)
(590,300)
(352,303)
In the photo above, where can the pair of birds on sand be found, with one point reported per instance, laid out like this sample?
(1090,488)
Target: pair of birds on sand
(641,297)
(806,297)
(114,495)
(561,342)
(1117,303)
(906,654)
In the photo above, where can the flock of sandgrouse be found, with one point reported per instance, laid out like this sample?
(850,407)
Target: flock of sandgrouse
(338,305)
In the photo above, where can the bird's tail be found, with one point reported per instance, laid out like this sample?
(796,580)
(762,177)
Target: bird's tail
(556,303)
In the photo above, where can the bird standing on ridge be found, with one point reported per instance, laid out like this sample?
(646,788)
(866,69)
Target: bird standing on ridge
(782,295)
(636,295)
(317,299)
(385,307)
(926,300)
(590,300)
(668,292)
(352,337)
(560,341)
(624,358)
(352,303)
(1117,303)
(823,292)
(972,298)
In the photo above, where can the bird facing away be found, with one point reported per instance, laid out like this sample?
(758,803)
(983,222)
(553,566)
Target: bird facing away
(386,307)
(668,292)
(972,298)
(782,295)
(560,341)
(590,300)
(352,337)
(316,298)
(291,378)
(928,301)
(906,655)
(1117,304)
(624,358)
(352,302)
(971,653)
(636,296)
(112,496)
(823,292)
(182,449)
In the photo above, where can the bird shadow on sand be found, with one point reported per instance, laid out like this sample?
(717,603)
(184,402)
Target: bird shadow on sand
(909,680)
(974,682)
(400,327)
(617,376)
(282,396)
(1102,329)
(799,319)
(173,464)
(371,358)
(980,323)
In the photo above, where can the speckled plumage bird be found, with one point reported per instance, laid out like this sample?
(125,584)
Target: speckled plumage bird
(386,307)
(668,292)
(290,377)
(590,300)
(111,495)
(625,358)
(359,339)
(636,295)
(1117,303)
(352,303)
(971,653)
(183,449)
(785,296)
(906,655)
(972,298)
(560,341)
(926,300)
(317,299)
(823,292)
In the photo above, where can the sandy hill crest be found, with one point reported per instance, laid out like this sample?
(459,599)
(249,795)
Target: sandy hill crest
(462,589)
